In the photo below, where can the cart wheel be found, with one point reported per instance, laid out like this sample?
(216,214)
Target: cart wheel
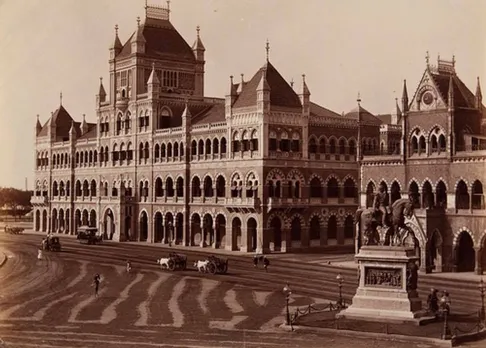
(171,265)
(212,268)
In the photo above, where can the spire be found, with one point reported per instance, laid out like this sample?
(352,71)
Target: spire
(232,89)
(60,98)
(427,59)
(241,84)
(305,89)
(72,130)
(267,48)
(405,97)
(102,92)
(186,113)
(117,45)
(153,78)
(396,113)
(38,125)
(263,84)
(198,45)
(292,83)
(451,94)
(84,125)
(479,95)
(359,100)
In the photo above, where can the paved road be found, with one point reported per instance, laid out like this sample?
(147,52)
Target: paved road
(50,303)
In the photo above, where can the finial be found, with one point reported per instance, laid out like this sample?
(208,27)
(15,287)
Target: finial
(116,29)
(146,4)
(292,82)
(84,117)
(359,98)
(438,57)
(60,98)
(101,80)
(168,5)
(453,61)
(303,77)
(153,65)
(231,78)
(427,58)
(267,48)
(138,21)
(242,78)
(37,117)
(198,29)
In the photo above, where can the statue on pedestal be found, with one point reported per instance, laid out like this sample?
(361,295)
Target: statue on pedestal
(390,221)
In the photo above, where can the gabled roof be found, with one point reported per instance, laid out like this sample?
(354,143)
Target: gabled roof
(62,121)
(162,41)
(320,111)
(364,115)
(90,134)
(463,97)
(281,94)
(212,114)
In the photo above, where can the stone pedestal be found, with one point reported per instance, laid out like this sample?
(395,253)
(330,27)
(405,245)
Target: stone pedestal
(387,286)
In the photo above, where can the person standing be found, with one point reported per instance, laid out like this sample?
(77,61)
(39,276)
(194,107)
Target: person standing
(96,283)
(266,262)
(39,254)
(129,266)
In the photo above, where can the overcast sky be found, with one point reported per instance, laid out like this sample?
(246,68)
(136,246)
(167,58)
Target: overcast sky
(343,46)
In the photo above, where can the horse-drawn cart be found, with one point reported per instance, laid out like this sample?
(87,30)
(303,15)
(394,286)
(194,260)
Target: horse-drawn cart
(173,262)
(14,230)
(217,265)
(51,244)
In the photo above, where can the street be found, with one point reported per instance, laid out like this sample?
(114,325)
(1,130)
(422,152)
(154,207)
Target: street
(51,303)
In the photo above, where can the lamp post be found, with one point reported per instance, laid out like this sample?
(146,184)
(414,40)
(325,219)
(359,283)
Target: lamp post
(482,290)
(287,291)
(340,280)
(444,303)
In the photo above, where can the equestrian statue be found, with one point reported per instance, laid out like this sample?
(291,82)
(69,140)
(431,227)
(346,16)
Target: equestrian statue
(389,220)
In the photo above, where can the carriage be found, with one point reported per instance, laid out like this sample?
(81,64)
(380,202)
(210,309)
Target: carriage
(176,261)
(14,230)
(51,244)
(217,265)
(89,235)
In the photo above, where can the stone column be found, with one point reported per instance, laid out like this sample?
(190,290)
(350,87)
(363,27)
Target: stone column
(478,268)
(263,239)
(202,244)
(214,243)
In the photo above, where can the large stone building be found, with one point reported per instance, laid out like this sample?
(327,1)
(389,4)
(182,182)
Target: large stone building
(434,146)
(264,168)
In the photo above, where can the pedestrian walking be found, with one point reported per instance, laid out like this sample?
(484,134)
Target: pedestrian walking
(129,266)
(255,261)
(39,254)
(96,283)
(266,262)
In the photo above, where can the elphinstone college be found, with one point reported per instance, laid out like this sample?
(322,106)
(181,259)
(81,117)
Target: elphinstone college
(263,168)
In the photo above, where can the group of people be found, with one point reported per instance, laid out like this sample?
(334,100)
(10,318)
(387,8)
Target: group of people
(261,258)
(438,303)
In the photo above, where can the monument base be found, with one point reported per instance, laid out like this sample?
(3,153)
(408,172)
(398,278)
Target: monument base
(387,287)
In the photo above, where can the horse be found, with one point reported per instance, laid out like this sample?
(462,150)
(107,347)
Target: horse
(164,262)
(368,223)
(202,266)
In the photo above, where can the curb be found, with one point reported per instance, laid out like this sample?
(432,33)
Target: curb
(360,334)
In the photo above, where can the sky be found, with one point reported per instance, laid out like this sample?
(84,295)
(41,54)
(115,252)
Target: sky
(343,46)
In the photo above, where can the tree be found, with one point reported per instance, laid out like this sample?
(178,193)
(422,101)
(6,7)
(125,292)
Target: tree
(15,200)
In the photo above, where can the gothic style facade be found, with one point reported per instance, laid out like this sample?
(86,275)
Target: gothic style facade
(264,168)
(435,148)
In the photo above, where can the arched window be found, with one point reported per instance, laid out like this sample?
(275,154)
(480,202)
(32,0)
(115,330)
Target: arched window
(350,190)
(315,188)
(477,195)
(342,146)
(312,145)
(332,188)
(462,196)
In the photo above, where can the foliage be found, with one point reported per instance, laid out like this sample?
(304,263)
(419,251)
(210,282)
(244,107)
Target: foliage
(15,200)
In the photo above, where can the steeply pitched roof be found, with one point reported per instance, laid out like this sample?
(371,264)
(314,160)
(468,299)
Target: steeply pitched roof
(281,94)
(91,133)
(162,41)
(62,121)
(364,115)
(317,110)
(463,97)
(212,114)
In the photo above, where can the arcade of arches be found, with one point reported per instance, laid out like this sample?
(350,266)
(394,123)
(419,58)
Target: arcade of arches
(237,232)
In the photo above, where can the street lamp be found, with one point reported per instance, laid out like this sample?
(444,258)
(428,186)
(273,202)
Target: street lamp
(482,290)
(340,280)
(287,291)
(444,303)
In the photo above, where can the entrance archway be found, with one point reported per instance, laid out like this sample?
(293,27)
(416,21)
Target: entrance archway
(315,231)
(61,221)
(143,226)
(108,224)
(208,229)
(276,226)
(196,237)
(54,220)
(179,228)
(128,228)
(169,228)
(236,233)
(44,221)
(158,228)
(295,232)
(465,260)
(434,252)
(220,231)
(251,228)
(92,218)
(85,219)
(37,220)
